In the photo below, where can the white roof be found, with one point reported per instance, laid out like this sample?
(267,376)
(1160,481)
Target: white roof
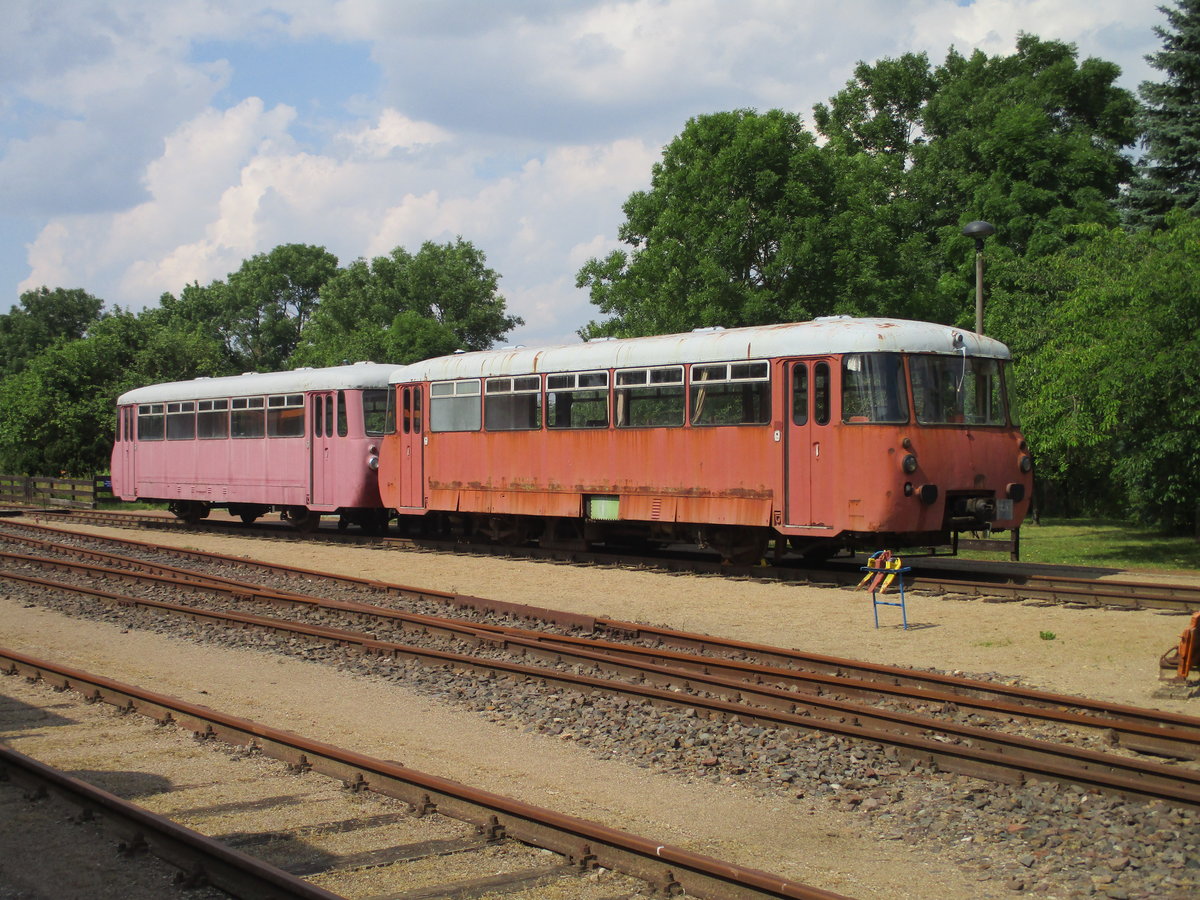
(831,334)
(358,375)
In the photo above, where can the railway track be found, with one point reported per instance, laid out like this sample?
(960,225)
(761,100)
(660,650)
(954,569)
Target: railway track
(931,575)
(390,846)
(814,673)
(956,724)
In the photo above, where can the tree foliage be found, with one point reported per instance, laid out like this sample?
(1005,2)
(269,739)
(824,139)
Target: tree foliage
(747,220)
(1030,142)
(66,363)
(42,318)
(1169,174)
(57,413)
(259,312)
(1106,337)
(404,307)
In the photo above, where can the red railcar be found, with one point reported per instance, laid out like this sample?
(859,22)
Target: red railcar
(303,442)
(840,432)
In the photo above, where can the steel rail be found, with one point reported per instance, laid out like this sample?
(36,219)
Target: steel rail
(1022,586)
(1135,735)
(203,859)
(518,610)
(1079,591)
(1005,758)
(666,867)
(1151,724)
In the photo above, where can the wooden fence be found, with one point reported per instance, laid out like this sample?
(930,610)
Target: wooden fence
(76,493)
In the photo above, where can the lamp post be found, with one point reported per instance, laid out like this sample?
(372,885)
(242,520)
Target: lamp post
(978,230)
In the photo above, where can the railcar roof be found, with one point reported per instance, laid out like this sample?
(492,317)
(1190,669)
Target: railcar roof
(358,375)
(831,334)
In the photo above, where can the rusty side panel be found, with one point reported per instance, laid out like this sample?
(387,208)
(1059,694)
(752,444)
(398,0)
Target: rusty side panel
(662,474)
(522,503)
(725,510)
(649,507)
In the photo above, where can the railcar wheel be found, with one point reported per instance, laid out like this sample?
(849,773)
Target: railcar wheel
(506,530)
(190,511)
(302,518)
(247,512)
(371,521)
(815,551)
(738,546)
(562,534)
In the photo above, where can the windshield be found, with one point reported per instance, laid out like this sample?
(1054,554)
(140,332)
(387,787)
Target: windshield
(873,388)
(379,413)
(949,390)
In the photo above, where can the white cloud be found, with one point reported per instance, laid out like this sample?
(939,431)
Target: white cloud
(395,131)
(521,126)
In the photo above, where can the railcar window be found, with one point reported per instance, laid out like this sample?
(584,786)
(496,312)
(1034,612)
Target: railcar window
(1009,396)
(512,404)
(212,419)
(731,394)
(873,388)
(577,400)
(454,406)
(246,418)
(379,411)
(822,392)
(650,398)
(416,410)
(181,421)
(150,424)
(285,415)
(342,425)
(957,390)
(800,394)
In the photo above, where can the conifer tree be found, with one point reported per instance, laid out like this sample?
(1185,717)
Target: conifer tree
(1169,174)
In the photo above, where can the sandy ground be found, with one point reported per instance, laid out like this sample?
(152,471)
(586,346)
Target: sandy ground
(1104,654)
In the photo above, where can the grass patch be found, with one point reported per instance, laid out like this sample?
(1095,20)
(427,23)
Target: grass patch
(1103,543)
(1001,642)
(131,505)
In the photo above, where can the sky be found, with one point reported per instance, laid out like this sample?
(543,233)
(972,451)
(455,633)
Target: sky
(149,144)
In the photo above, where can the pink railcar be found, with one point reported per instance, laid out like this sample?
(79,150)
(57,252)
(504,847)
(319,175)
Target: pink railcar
(839,432)
(304,442)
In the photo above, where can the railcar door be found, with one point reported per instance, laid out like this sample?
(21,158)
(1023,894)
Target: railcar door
(323,414)
(808,443)
(124,464)
(411,433)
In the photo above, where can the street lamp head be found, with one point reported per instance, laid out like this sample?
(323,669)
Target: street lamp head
(978,230)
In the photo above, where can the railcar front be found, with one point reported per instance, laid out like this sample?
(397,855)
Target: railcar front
(304,443)
(915,442)
(826,434)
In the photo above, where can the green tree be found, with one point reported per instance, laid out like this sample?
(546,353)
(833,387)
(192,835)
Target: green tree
(42,318)
(746,221)
(1169,174)
(1031,142)
(1106,338)
(403,307)
(259,312)
(57,413)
